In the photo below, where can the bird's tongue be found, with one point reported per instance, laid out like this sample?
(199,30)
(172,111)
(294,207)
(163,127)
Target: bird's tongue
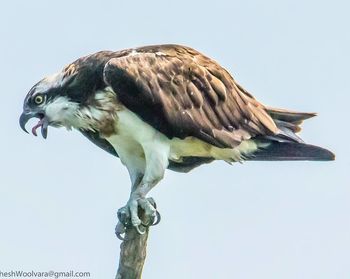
(43,123)
(39,124)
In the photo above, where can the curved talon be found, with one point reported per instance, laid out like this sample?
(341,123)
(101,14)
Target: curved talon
(119,236)
(137,228)
(155,222)
(146,224)
(119,230)
(157,219)
(128,216)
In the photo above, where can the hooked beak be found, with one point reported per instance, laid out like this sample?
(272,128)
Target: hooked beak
(43,122)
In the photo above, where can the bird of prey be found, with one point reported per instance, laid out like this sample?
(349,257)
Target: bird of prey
(164,107)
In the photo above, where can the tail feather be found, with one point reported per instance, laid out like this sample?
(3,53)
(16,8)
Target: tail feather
(291,151)
(288,123)
(289,116)
(286,145)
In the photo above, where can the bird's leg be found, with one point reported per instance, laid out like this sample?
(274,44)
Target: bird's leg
(156,156)
(124,213)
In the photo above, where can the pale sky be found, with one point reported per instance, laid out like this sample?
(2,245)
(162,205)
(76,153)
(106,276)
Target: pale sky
(60,196)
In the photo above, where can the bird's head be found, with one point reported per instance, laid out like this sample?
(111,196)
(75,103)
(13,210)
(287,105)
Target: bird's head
(68,98)
(52,101)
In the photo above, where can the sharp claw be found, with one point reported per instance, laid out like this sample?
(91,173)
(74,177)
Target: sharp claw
(119,230)
(139,230)
(150,221)
(155,222)
(119,236)
(158,219)
(124,215)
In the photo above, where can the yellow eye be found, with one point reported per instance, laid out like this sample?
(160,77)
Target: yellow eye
(38,99)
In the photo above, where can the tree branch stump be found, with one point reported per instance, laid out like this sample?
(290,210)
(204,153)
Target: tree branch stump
(133,251)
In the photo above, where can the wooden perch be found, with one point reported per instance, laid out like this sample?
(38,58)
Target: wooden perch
(133,251)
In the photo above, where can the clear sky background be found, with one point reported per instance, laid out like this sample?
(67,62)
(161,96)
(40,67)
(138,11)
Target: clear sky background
(59,197)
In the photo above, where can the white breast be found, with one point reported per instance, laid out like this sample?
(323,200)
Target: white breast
(133,133)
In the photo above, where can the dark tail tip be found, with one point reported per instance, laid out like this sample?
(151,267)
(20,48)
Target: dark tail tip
(290,151)
(325,155)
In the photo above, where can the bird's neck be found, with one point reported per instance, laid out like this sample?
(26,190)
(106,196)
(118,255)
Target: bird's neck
(99,113)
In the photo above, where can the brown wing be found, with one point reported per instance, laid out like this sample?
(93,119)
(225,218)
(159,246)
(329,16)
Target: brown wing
(182,93)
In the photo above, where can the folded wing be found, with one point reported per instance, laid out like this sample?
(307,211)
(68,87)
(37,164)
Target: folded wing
(182,93)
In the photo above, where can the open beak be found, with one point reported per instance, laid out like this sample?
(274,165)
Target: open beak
(43,123)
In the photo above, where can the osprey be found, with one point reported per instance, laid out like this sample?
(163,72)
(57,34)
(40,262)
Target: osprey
(165,106)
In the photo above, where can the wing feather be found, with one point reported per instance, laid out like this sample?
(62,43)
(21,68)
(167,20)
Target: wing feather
(183,93)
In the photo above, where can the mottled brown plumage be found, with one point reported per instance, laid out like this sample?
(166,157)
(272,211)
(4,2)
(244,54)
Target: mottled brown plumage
(188,94)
